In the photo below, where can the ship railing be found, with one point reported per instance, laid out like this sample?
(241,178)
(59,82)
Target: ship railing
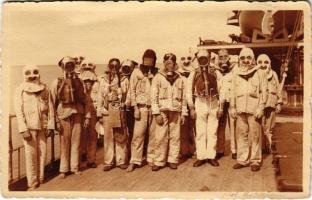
(16,172)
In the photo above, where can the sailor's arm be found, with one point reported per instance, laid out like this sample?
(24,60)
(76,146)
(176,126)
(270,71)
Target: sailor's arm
(263,90)
(221,89)
(101,110)
(279,89)
(155,96)
(18,106)
(132,88)
(52,105)
(233,111)
(184,101)
(189,90)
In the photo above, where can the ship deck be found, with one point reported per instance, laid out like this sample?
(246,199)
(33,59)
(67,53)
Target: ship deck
(185,178)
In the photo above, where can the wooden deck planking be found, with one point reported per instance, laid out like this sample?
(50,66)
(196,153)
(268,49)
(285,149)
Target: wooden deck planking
(186,178)
(154,180)
(179,179)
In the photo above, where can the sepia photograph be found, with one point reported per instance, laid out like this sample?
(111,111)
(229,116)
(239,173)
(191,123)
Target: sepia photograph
(156,99)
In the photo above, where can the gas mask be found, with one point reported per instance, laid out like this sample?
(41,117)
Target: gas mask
(71,89)
(78,62)
(127,67)
(246,59)
(111,69)
(88,71)
(31,74)
(224,60)
(203,59)
(85,66)
(88,84)
(170,63)
(264,62)
(186,61)
(114,66)
(68,65)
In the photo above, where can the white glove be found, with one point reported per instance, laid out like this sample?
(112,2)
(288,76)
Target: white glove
(278,108)
(193,113)
(233,112)
(259,113)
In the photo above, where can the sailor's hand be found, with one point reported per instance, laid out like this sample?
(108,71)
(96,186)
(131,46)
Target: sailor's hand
(259,113)
(182,120)
(101,120)
(193,113)
(137,113)
(159,119)
(27,135)
(278,108)
(233,113)
(59,128)
(219,113)
(49,133)
(86,123)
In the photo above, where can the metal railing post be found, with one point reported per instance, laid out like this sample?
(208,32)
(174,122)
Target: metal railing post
(52,150)
(19,163)
(10,150)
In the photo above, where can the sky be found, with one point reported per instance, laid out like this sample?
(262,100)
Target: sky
(42,33)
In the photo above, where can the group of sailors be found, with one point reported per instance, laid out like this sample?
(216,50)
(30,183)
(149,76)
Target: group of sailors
(149,115)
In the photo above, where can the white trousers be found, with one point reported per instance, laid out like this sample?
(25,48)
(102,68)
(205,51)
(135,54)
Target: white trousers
(226,120)
(139,133)
(206,129)
(268,124)
(35,156)
(167,139)
(248,134)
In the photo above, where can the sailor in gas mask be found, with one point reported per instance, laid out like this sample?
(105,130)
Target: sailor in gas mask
(205,109)
(224,70)
(78,64)
(140,98)
(187,148)
(31,108)
(274,102)
(68,99)
(110,111)
(127,67)
(248,100)
(89,137)
(169,108)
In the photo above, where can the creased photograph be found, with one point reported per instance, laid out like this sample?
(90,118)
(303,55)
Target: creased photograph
(156,99)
